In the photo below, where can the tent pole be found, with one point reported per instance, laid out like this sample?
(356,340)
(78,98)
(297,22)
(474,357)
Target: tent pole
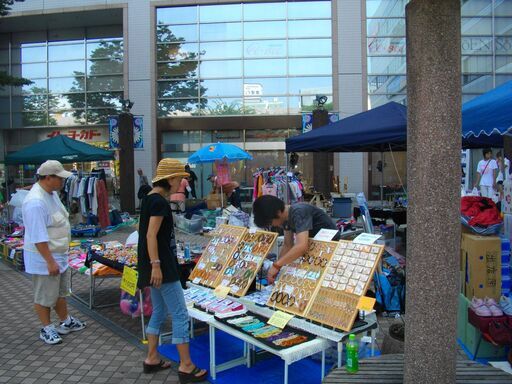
(382,180)
(287,196)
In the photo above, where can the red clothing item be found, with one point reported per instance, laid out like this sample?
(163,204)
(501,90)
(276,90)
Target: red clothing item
(103,214)
(481,210)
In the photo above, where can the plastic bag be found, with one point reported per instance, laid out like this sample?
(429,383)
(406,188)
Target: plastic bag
(133,239)
(130,304)
(18,197)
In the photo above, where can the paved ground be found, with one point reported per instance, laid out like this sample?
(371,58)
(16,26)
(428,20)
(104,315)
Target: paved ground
(107,351)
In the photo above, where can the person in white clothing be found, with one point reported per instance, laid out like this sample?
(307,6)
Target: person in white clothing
(486,174)
(45,251)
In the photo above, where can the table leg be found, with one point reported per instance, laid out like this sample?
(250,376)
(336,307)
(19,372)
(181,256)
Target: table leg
(141,303)
(285,372)
(91,288)
(374,336)
(323,364)
(340,353)
(247,354)
(213,374)
(477,346)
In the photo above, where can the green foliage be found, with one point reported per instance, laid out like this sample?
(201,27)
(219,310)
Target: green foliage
(5,78)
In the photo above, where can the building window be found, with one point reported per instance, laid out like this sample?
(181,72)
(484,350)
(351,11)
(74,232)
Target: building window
(240,59)
(77,76)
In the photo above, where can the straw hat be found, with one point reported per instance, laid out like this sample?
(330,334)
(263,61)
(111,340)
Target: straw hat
(169,168)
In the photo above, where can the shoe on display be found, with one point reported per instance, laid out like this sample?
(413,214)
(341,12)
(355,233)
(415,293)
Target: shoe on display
(70,325)
(493,307)
(49,335)
(480,308)
(506,305)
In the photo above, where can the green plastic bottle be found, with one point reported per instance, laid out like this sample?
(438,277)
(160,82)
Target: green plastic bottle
(352,354)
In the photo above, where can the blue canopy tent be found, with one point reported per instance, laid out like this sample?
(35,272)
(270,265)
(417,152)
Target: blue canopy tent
(377,130)
(488,117)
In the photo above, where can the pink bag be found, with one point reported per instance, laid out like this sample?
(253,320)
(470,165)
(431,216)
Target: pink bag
(130,304)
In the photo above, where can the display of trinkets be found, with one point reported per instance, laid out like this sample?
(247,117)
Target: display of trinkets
(124,255)
(297,282)
(214,258)
(244,264)
(346,279)
(257,327)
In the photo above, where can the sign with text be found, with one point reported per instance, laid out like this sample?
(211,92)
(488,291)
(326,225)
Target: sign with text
(87,135)
(326,234)
(129,280)
(366,303)
(279,319)
(366,238)
(221,291)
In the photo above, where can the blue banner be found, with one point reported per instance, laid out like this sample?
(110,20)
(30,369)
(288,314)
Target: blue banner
(138,132)
(307,120)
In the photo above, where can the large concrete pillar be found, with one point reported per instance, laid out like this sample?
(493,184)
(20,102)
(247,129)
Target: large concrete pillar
(433,158)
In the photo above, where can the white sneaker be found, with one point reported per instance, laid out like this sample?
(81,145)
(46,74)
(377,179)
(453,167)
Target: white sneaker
(49,335)
(73,326)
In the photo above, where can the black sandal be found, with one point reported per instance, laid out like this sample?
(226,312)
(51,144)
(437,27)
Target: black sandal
(152,368)
(191,377)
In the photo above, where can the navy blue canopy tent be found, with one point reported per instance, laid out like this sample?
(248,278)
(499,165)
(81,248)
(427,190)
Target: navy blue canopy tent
(488,117)
(380,129)
(485,120)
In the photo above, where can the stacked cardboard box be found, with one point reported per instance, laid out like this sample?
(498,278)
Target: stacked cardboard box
(481,266)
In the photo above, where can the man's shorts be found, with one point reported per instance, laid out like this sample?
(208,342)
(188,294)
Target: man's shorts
(47,289)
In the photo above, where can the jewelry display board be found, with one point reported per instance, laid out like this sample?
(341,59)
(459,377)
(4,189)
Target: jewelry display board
(345,280)
(246,261)
(218,251)
(298,282)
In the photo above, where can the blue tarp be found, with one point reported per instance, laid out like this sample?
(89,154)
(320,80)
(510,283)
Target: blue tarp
(371,131)
(486,118)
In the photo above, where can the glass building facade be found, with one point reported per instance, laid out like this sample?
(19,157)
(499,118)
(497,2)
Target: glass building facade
(241,59)
(486,44)
(76,74)
(258,59)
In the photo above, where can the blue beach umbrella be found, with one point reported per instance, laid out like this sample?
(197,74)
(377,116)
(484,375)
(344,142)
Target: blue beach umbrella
(218,151)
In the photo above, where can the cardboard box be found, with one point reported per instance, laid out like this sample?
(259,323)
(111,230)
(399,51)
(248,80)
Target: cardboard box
(213,201)
(481,261)
(506,203)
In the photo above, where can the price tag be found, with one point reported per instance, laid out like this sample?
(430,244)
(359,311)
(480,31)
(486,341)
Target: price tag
(279,319)
(326,234)
(366,303)
(129,280)
(221,291)
(366,238)
(13,252)
(197,280)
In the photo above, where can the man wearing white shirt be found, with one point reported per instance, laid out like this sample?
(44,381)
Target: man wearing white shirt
(45,251)
(486,174)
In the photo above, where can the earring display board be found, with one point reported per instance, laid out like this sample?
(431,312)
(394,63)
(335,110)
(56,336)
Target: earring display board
(298,282)
(218,251)
(242,267)
(345,280)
